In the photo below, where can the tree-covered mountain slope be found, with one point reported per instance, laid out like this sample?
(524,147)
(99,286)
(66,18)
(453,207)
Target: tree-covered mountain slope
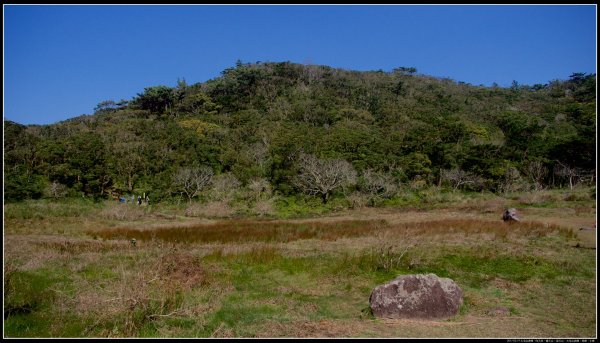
(312,129)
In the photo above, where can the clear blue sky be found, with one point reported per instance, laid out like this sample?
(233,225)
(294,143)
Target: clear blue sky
(60,61)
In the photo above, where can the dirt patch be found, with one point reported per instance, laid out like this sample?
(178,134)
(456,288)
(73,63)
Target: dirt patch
(463,326)
(320,329)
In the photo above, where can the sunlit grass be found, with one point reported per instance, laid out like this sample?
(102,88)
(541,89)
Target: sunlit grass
(291,278)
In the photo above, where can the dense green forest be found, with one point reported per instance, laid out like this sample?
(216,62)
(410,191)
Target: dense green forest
(285,129)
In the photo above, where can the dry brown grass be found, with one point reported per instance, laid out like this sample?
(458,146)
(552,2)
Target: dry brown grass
(214,209)
(477,226)
(246,231)
(533,198)
(248,253)
(148,286)
(264,207)
(314,329)
(496,205)
(135,303)
(181,268)
(122,212)
(76,247)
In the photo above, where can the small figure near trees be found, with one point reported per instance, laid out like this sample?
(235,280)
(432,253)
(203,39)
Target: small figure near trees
(510,215)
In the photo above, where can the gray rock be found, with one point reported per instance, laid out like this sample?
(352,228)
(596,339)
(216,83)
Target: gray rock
(416,296)
(510,215)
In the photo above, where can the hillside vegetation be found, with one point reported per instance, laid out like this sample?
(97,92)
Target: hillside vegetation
(281,194)
(267,131)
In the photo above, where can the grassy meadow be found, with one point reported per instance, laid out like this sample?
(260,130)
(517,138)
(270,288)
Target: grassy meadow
(300,269)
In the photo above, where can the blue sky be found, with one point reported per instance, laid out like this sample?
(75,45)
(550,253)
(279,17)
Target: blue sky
(61,61)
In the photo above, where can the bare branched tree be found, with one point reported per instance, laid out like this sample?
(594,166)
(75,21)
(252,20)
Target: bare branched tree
(323,176)
(192,180)
(378,184)
(536,171)
(260,187)
(511,180)
(573,174)
(259,154)
(458,177)
(224,186)
(57,190)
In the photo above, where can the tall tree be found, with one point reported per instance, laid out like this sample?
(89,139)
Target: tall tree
(157,99)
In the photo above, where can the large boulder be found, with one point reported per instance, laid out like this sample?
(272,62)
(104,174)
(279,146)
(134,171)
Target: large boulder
(416,296)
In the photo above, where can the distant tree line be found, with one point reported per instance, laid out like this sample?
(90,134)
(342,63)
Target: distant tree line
(304,129)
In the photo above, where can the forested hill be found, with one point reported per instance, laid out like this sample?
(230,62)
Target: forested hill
(270,123)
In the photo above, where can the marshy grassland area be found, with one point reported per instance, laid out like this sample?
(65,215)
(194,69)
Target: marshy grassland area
(77,268)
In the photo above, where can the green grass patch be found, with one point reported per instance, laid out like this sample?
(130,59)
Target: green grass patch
(301,206)
(28,325)
(28,299)
(98,272)
(473,268)
(476,271)
(47,208)
(293,288)
(237,314)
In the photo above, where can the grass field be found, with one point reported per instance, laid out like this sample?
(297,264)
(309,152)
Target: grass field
(70,269)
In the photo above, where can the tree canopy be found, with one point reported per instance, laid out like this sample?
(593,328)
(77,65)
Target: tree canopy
(256,121)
